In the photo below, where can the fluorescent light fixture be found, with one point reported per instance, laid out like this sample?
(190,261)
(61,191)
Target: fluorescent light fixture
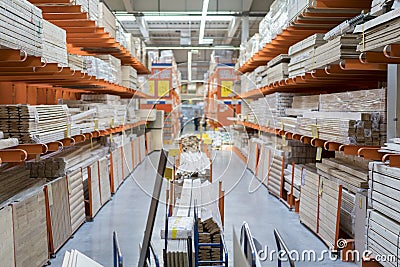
(203,20)
(187,18)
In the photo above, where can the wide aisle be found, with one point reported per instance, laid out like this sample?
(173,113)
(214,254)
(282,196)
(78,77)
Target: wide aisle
(245,200)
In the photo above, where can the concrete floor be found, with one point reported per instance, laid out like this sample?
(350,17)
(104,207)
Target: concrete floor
(246,200)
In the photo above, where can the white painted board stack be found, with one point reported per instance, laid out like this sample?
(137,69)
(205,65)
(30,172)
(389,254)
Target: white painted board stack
(21,26)
(114,70)
(54,44)
(107,20)
(129,77)
(278,68)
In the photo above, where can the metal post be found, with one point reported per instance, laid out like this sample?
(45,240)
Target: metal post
(393,101)
(245,28)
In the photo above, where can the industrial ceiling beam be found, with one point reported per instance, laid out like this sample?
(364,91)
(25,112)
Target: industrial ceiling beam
(144,29)
(128,4)
(232,29)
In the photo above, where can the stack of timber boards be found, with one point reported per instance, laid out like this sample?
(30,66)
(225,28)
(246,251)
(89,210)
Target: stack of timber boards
(104,183)
(253,154)
(302,104)
(383,237)
(392,147)
(142,145)
(93,199)
(296,185)
(107,20)
(54,44)
(276,172)
(329,211)
(58,213)
(76,199)
(342,47)
(6,236)
(117,169)
(278,68)
(15,180)
(352,174)
(30,229)
(129,77)
(209,232)
(21,26)
(302,52)
(34,124)
(262,166)
(379,32)
(309,203)
(127,159)
(77,259)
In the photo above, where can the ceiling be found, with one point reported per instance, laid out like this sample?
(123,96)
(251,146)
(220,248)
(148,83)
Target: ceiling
(176,23)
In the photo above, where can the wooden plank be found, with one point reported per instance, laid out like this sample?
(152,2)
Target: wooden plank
(6,236)
(104,180)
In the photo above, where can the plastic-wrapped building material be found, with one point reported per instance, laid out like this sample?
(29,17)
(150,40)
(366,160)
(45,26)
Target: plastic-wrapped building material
(54,44)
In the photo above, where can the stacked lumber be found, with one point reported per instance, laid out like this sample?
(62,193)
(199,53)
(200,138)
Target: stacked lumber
(278,68)
(262,165)
(127,159)
(129,77)
(30,229)
(334,51)
(379,7)
(276,173)
(116,170)
(107,20)
(261,75)
(93,187)
(75,62)
(392,147)
(114,71)
(22,25)
(190,143)
(34,124)
(58,213)
(120,34)
(194,165)
(76,199)
(330,197)
(255,145)
(54,44)
(14,181)
(142,146)
(104,180)
(302,52)
(302,104)
(9,142)
(309,204)
(6,236)
(354,128)
(379,32)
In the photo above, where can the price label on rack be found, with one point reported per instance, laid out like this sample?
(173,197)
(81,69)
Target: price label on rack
(173,152)
(67,132)
(315,134)
(96,124)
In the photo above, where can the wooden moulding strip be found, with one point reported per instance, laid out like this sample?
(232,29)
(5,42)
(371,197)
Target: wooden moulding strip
(292,198)
(340,192)
(50,242)
(113,189)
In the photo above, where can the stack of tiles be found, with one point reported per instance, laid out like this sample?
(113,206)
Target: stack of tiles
(22,27)
(54,44)
(302,52)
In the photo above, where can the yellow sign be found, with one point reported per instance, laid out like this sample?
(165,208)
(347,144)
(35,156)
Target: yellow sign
(207,141)
(168,173)
(226,88)
(151,87)
(163,88)
(173,152)
(314,130)
(205,136)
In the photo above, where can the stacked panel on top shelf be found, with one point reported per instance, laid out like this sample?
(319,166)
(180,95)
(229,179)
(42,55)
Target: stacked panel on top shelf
(21,27)
(54,44)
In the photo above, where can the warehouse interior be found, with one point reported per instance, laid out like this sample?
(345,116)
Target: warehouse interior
(181,133)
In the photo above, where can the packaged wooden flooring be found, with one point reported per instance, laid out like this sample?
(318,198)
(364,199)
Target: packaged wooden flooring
(30,229)
(58,213)
(104,180)
(94,199)
(309,203)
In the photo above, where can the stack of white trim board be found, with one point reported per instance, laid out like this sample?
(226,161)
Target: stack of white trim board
(278,68)
(54,44)
(383,220)
(334,51)
(107,20)
(34,124)
(302,52)
(129,77)
(21,26)
(379,32)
